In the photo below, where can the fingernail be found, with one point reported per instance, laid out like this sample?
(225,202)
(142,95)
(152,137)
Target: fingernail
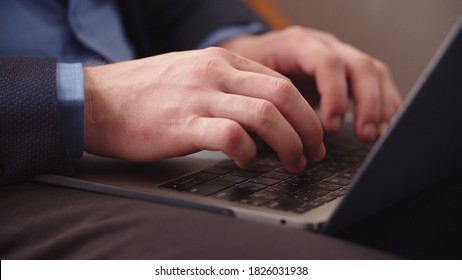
(370,131)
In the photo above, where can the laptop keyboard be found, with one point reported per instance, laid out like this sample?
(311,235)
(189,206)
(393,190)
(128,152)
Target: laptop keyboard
(269,184)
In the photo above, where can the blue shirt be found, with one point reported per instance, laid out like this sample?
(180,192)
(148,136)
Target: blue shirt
(77,33)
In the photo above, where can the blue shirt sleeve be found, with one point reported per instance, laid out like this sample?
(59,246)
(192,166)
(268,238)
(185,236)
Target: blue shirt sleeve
(222,34)
(71,105)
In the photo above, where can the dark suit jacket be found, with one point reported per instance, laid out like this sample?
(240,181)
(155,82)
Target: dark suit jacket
(31,137)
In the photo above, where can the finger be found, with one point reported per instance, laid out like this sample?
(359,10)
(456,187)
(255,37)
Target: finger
(224,135)
(364,81)
(366,91)
(391,99)
(263,118)
(312,54)
(330,76)
(316,58)
(287,101)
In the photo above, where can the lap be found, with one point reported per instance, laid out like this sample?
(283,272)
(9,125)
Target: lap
(40,221)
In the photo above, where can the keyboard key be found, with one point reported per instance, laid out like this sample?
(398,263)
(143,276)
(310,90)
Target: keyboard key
(347,187)
(319,173)
(255,201)
(340,192)
(259,198)
(175,186)
(265,181)
(209,187)
(232,179)
(303,197)
(307,179)
(228,164)
(272,161)
(280,190)
(196,178)
(245,173)
(314,192)
(305,207)
(333,169)
(277,175)
(300,182)
(251,187)
(326,186)
(266,195)
(338,181)
(285,171)
(285,204)
(347,174)
(326,198)
(260,168)
(353,159)
(232,194)
(217,170)
(291,186)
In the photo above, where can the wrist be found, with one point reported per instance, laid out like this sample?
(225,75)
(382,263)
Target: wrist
(89,119)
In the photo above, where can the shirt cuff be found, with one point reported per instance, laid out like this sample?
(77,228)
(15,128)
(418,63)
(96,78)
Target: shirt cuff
(71,105)
(224,33)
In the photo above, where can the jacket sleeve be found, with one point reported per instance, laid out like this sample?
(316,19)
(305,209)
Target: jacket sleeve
(31,135)
(165,25)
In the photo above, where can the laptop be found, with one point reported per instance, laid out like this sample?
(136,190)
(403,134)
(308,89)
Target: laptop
(422,149)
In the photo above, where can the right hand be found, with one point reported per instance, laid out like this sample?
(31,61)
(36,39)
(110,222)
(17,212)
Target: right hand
(179,103)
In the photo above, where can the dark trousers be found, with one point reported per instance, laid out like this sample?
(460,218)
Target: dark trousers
(49,222)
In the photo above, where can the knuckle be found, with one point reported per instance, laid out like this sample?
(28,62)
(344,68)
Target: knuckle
(231,134)
(332,59)
(383,69)
(328,37)
(295,35)
(206,67)
(211,62)
(331,37)
(282,85)
(298,31)
(365,61)
(295,30)
(282,94)
(216,51)
(265,112)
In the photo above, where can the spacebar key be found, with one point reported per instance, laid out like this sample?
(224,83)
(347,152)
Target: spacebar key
(285,204)
(210,187)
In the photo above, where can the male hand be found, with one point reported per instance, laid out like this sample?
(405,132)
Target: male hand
(336,67)
(179,103)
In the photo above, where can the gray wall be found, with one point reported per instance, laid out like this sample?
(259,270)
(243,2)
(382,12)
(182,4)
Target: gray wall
(403,33)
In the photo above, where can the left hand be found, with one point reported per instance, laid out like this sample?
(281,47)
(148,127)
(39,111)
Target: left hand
(336,68)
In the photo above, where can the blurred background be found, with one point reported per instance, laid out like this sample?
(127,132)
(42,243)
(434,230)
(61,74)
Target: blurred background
(403,33)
